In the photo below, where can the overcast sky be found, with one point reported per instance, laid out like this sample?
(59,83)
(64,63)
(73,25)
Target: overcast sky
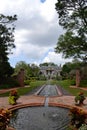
(36,31)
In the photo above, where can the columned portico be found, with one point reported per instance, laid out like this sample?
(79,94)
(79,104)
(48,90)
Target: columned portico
(50,71)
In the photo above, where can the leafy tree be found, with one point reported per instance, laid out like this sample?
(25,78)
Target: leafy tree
(43,64)
(72,46)
(47,64)
(34,70)
(6,44)
(72,16)
(69,68)
(30,70)
(21,65)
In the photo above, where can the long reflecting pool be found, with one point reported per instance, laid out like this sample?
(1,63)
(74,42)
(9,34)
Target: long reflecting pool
(41,118)
(49,90)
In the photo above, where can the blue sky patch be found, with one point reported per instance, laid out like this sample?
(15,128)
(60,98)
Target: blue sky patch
(42,1)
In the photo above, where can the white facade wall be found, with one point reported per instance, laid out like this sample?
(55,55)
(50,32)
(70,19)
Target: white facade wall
(50,71)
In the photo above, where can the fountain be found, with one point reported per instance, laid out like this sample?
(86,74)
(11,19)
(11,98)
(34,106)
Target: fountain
(42,118)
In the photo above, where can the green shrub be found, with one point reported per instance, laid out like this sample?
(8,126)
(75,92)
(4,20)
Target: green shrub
(4,86)
(42,77)
(13,96)
(37,84)
(80,98)
(12,82)
(73,82)
(27,82)
(83,83)
(9,83)
(83,127)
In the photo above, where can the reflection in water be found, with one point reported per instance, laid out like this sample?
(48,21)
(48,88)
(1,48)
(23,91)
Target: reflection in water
(49,90)
(41,118)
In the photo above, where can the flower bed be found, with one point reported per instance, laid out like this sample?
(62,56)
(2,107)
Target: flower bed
(79,99)
(5,116)
(78,118)
(13,97)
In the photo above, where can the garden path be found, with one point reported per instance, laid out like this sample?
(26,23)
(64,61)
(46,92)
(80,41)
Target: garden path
(35,100)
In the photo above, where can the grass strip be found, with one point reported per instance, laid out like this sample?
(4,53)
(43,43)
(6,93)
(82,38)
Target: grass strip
(66,85)
(25,90)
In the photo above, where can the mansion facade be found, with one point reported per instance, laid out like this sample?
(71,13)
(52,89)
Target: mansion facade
(50,72)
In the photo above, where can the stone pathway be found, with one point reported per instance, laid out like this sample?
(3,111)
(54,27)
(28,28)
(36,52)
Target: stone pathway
(34,100)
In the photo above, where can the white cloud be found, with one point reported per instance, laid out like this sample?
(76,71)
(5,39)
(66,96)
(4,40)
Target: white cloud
(56,58)
(37,29)
(48,10)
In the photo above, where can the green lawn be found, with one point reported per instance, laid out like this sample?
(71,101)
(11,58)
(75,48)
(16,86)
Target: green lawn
(26,90)
(66,85)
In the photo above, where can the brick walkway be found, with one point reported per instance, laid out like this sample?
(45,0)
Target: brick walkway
(34,100)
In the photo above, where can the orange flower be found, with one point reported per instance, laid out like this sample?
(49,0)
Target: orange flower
(13,92)
(81,93)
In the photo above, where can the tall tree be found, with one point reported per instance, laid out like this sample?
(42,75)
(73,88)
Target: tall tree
(6,44)
(30,70)
(70,67)
(72,16)
(21,65)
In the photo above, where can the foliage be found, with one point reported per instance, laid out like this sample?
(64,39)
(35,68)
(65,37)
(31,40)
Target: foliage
(47,64)
(13,96)
(6,33)
(71,46)
(5,116)
(33,85)
(6,44)
(9,83)
(42,77)
(83,71)
(83,127)
(78,117)
(22,91)
(37,83)
(20,65)
(30,70)
(80,98)
(69,69)
(83,83)
(72,16)
(27,82)
(73,82)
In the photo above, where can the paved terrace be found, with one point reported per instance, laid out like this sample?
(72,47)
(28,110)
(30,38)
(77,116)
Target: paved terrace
(34,100)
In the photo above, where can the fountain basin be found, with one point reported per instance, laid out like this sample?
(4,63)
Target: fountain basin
(40,118)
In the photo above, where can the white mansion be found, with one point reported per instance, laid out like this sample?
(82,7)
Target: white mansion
(50,71)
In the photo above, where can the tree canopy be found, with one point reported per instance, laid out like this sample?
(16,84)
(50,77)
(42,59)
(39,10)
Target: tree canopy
(30,70)
(47,64)
(6,33)
(72,16)
(6,43)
